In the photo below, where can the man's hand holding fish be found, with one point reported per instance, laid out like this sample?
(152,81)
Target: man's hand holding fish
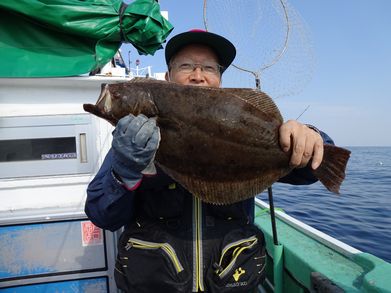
(305,143)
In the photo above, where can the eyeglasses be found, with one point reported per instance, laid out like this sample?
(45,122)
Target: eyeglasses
(211,68)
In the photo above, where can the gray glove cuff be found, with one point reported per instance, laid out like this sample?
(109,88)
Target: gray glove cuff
(130,184)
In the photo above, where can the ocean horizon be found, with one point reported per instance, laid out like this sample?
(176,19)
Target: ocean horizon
(361,215)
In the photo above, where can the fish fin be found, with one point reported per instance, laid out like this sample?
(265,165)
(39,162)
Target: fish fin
(258,100)
(145,79)
(331,171)
(223,193)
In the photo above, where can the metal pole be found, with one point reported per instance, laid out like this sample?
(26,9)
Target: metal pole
(269,190)
(129,63)
(272,215)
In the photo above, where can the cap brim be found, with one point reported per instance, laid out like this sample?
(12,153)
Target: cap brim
(223,48)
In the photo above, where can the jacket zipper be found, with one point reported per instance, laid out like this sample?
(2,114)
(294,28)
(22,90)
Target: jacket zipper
(165,247)
(238,247)
(198,281)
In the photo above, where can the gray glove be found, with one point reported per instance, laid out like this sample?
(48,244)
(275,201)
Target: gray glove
(135,142)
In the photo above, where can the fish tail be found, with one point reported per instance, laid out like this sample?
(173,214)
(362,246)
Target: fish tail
(332,170)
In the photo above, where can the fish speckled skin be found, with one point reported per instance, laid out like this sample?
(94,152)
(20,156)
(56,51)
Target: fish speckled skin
(220,143)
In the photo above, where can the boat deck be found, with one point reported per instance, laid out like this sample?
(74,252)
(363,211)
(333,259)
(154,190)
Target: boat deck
(307,250)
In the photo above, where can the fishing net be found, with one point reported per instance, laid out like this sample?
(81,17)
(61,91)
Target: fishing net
(272,42)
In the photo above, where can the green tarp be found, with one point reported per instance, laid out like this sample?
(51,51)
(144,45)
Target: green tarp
(49,38)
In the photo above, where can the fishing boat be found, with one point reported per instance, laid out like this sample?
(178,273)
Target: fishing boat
(50,149)
(46,240)
(308,260)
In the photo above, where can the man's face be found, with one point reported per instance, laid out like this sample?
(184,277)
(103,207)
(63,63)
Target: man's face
(195,65)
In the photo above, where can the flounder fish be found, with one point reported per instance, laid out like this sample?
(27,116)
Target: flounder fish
(221,144)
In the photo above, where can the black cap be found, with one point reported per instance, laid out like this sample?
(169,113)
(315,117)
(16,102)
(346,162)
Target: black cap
(223,48)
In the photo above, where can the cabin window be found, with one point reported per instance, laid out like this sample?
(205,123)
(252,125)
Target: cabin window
(47,145)
(58,148)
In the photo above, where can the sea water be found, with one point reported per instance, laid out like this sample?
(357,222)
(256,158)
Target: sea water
(361,215)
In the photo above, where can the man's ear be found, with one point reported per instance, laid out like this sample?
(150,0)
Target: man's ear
(167,76)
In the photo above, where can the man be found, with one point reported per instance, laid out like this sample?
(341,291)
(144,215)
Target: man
(172,241)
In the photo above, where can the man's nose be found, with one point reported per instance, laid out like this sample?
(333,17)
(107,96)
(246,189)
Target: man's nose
(197,75)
